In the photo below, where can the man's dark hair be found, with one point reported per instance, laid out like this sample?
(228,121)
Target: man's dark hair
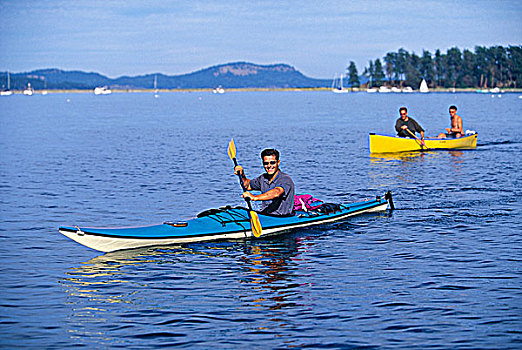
(403,109)
(453,107)
(270,152)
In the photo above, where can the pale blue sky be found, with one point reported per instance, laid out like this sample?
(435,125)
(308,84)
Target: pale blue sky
(319,38)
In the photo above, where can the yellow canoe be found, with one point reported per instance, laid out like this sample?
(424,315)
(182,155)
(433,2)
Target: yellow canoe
(379,143)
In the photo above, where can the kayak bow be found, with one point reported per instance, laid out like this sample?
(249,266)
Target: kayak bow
(216,224)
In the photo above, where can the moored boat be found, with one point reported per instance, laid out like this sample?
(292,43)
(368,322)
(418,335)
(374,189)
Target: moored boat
(8,91)
(217,224)
(218,90)
(104,90)
(28,91)
(338,87)
(380,143)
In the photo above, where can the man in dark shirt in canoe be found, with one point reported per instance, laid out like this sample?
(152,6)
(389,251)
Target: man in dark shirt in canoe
(405,123)
(277,188)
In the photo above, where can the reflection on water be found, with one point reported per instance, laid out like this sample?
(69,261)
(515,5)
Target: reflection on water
(392,169)
(260,274)
(413,156)
(456,159)
(442,272)
(398,169)
(399,157)
(268,270)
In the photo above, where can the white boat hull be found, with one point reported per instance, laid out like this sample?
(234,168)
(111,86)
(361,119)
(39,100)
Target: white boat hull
(109,244)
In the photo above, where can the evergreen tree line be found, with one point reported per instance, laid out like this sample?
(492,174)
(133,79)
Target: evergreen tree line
(496,66)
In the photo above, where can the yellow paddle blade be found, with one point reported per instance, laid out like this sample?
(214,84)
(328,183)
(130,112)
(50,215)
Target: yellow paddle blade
(231,149)
(255,224)
(418,140)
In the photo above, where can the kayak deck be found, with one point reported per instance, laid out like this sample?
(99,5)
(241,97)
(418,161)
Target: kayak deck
(214,224)
(381,143)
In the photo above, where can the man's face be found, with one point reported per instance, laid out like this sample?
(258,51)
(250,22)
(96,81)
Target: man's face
(271,164)
(452,112)
(404,114)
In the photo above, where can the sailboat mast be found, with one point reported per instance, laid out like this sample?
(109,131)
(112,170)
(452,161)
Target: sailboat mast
(156,86)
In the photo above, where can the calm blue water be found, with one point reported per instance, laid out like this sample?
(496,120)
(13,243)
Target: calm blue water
(442,271)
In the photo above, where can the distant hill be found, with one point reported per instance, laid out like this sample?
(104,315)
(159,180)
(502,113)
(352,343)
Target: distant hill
(230,75)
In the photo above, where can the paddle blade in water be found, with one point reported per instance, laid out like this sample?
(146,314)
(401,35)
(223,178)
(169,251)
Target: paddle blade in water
(231,149)
(421,143)
(255,224)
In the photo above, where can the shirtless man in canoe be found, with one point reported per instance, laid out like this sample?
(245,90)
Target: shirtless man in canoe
(456,129)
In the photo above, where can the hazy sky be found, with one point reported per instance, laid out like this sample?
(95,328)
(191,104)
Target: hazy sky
(319,38)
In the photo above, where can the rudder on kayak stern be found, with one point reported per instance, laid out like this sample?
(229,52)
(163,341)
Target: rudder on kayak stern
(388,196)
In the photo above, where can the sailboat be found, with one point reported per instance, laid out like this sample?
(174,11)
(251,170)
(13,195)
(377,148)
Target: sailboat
(424,86)
(7,92)
(371,89)
(44,91)
(339,89)
(156,86)
(29,91)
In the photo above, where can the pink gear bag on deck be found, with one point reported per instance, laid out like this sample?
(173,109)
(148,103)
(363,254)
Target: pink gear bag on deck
(306,202)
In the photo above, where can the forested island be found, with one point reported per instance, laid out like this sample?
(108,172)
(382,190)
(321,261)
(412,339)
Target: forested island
(493,67)
(496,66)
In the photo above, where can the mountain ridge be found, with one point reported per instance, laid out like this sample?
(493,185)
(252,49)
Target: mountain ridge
(239,74)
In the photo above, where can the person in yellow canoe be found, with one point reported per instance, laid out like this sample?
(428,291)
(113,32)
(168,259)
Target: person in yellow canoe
(277,188)
(405,124)
(456,128)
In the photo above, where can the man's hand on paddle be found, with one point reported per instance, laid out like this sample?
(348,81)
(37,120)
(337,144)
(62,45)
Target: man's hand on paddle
(248,195)
(239,170)
(273,193)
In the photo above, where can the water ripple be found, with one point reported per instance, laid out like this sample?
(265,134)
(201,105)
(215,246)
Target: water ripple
(442,271)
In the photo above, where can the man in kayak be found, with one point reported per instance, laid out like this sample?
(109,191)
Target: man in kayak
(405,123)
(277,188)
(456,128)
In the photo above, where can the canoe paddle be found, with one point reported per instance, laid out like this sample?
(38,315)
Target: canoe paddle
(252,215)
(418,141)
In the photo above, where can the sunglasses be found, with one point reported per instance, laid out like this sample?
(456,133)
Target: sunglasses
(272,162)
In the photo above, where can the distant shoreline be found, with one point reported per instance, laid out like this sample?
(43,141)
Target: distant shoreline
(209,90)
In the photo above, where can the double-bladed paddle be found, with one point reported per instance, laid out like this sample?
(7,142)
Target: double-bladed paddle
(418,141)
(252,215)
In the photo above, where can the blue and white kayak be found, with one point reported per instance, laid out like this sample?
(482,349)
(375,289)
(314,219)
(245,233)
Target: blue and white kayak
(224,223)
